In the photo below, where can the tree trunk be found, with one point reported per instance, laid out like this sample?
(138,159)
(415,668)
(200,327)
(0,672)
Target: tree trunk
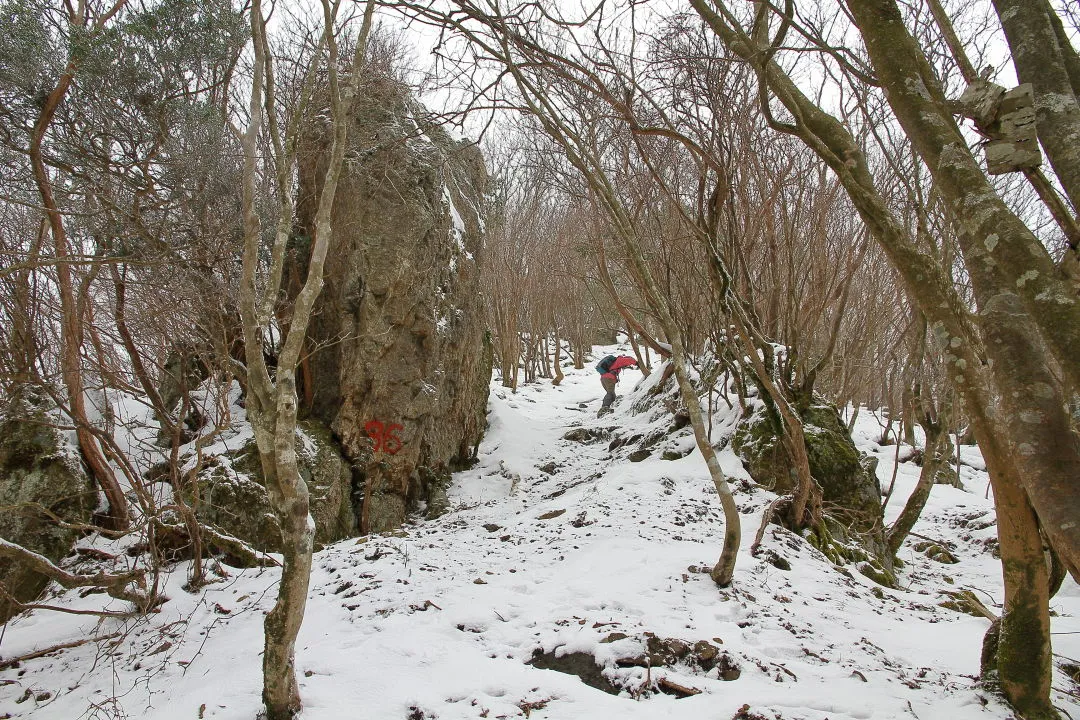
(1022,661)
(643,364)
(71,335)
(273,403)
(289,498)
(1001,254)
(557,361)
(724,570)
(947,316)
(993,240)
(933,459)
(1040,59)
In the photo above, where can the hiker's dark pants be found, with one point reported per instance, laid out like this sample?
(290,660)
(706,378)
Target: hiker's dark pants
(609,385)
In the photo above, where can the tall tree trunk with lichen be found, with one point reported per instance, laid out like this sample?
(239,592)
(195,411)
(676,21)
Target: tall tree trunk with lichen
(1048,61)
(1006,262)
(929,286)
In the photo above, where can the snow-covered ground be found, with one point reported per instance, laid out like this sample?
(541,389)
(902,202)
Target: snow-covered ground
(440,620)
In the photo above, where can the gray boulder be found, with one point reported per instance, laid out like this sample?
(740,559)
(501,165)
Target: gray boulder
(401,375)
(232,493)
(38,471)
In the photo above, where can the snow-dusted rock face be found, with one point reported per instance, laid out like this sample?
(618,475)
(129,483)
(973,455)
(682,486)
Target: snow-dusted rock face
(846,479)
(402,367)
(37,468)
(232,492)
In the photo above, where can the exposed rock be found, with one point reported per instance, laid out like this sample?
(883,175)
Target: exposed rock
(681,420)
(639,455)
(581,664)
(551,515)
(663,652)
(728,668)
(232,494)
(584,435)
(946,472)
(620,440)
(777,560)
(666,651)
(936,552)
(706,654)
(400,322)
(848,479)
(435,483)
(182,373)
(835,462)
(37,469)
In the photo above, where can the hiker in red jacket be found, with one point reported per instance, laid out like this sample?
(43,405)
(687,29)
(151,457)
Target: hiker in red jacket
(610,367)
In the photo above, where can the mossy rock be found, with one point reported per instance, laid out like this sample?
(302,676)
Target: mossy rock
(962,601)
(838,545)
(878,574)
(37,468)
(434,484)
(232,492)
(936,552)
(847,479)
(831,540)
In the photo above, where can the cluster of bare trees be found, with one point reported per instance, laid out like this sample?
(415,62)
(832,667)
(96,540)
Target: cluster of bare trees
(115,237)
(768,176)
(145,220)
(794,197)
(543,302)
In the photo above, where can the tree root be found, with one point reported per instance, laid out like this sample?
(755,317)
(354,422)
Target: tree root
(12,662)
(767,517)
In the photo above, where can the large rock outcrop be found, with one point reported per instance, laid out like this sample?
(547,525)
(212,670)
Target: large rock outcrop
(399,327)
(38,472)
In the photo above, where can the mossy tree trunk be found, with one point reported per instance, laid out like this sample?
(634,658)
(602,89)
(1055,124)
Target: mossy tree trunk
(996,245)
(1021,664)
(1043,58)
(930,287)
(1009,268)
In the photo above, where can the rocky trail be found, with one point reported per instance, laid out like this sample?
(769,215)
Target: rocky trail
(569,581)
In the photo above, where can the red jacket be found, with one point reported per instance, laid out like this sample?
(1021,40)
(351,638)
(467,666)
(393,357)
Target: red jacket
(621,363)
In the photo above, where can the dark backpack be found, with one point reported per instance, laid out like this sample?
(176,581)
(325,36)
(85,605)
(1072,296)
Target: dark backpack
(604,365)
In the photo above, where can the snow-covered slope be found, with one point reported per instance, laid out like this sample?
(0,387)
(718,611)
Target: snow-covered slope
(442,619)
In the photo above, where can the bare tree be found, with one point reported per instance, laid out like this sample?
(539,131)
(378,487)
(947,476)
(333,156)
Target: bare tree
(73,294)
(273,403)
(1000,331)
